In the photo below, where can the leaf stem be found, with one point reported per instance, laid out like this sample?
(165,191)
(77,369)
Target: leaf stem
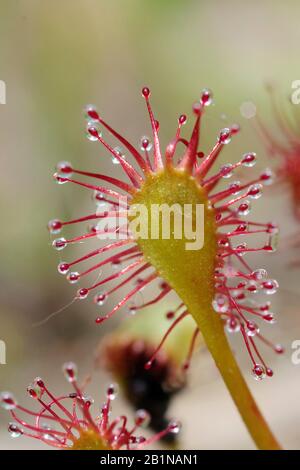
(212,329)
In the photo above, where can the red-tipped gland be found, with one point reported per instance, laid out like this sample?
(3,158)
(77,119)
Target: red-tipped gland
(255,191)
(32,392)
(225,136)
(82,293)
(7,401)
(174,427)
(54,226)
(60,179)
(244,208)
(145,92)
(249,159)
(73,277)
(112,391)
(146,145)
(142,418)
(91,113)
(182,119)
(267,177)
(64,169)
(269,317)
(279,349)
(101,298)
(40,383)
(63,268)
(270,286)
(59,243)
(70,371)
(15,430)
(206,97)
(258,372)
(93,131)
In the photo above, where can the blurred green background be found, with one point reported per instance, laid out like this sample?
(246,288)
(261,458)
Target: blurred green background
(58,55)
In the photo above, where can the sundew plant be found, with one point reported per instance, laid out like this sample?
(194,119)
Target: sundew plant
(216,284)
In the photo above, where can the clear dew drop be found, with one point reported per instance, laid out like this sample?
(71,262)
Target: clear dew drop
(91,113)
(146,92)
(7,401)
(267,177)
(220,303)
(206,97)
(64,169)
(255,191)
(235,186)
(54,226)
(259,274)
(258,372)
(15,430)
(227,170)
(241,249)
(112,391)
(70,371)
(182,119)
(82,293)
(270,318)
(223,242)
(270,286)
(101,298)
(93,130)
(225,136)
(244,208)
(145,144)
(252,287)
(132,309)
(249,159)
(63,268)
(174,426)
(60,179)
(59,243)
(252,329)
(142,418)
(232,325)
(73,277)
